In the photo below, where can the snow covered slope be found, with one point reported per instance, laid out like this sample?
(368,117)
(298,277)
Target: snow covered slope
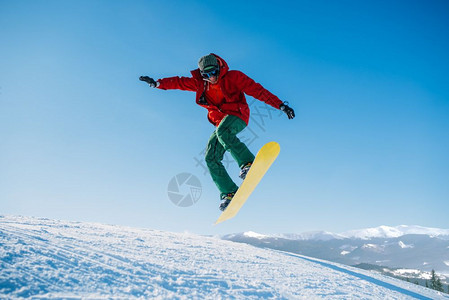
(41,258)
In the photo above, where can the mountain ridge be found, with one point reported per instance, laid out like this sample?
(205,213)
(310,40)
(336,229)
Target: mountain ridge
(411,247)
(364,234)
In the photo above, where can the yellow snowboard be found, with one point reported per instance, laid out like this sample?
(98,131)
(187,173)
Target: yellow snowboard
(264,158)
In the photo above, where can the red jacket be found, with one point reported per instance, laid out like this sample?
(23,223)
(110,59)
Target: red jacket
(233,85)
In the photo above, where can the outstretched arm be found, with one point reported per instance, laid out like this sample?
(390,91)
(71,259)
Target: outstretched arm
(172,83)
(257,91)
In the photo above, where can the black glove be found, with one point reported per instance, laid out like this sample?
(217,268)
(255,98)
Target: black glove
(288,110)
(148,80)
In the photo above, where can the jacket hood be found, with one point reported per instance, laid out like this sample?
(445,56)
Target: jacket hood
(221,63)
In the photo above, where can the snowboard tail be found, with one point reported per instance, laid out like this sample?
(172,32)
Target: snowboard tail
(264,158)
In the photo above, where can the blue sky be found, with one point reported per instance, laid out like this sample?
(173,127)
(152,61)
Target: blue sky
(82,139)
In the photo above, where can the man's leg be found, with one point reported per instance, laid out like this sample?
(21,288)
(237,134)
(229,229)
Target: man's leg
(214,156)
(227,132)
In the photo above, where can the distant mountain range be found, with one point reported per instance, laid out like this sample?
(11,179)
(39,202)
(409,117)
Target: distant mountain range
(409,249)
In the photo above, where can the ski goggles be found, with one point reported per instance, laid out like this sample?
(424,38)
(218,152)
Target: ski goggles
(210,73)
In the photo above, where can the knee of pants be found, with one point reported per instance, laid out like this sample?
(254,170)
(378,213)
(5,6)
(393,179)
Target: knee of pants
(211,160)
(225,137)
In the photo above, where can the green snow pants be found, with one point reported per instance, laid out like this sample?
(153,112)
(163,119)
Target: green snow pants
(223,139)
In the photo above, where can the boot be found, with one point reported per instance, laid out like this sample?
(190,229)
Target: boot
(226,199)
(245,170)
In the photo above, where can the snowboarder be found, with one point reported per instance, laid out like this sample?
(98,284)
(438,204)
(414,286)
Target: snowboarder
(222,92)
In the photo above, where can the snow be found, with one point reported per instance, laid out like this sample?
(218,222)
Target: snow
(404,246)
(348,248)
(253,234)
(311,235)
(373,247)
(407,271)
(394,232)
(365,234)
(412,273)
(41,258)
(414,229)
(381,231)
